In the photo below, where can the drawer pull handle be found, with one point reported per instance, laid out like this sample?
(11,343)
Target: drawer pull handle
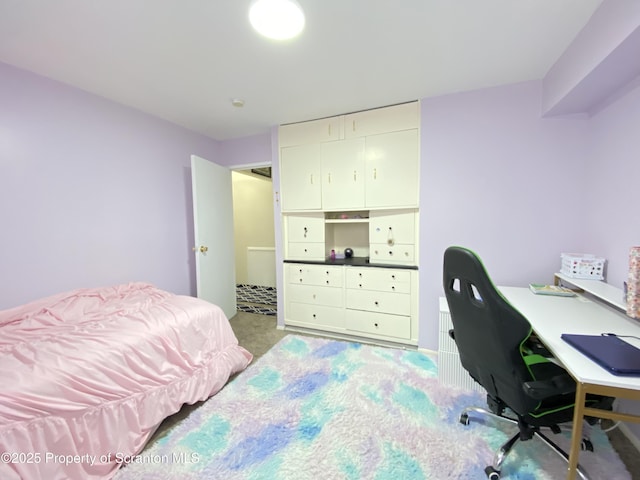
(393,287)
(305,232)
(360,285)
(376,303)
(327,282)
(375,325)
(390,253)
(393,277)
(314,315)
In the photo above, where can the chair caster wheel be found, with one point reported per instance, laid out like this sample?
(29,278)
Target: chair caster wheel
(586,445)
(492,473)
(464,418)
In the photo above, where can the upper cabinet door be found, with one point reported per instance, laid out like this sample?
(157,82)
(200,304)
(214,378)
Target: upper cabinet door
(381,120)
(300,180)
(314,131)
(343,174)
(392,169)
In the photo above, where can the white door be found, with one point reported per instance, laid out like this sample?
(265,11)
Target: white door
(213,232)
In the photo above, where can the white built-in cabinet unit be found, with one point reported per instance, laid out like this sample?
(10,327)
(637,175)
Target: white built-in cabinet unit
(352,181)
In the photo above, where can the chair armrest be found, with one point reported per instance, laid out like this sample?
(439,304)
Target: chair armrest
(559,385)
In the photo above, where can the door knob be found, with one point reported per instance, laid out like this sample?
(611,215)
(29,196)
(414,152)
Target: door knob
(202,249)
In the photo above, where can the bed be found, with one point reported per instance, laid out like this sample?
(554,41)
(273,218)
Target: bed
(87,376)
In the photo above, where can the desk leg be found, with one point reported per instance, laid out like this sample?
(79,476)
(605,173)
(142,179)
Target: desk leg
(576,435)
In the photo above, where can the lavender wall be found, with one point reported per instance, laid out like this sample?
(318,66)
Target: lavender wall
(253,150)
(612,194)
(499,179)
(600,60)
(91,193)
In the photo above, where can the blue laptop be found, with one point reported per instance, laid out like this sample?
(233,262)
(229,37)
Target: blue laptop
(608,351)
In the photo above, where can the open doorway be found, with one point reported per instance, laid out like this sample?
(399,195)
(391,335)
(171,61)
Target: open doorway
(254,239)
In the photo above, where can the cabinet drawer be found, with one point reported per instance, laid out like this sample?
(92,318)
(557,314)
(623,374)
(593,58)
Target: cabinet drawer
(399,253)
(305,251)
(382,302)
(392,228)
(316,275)
(385,280)
(379,324)
(315,295)
(305,228)
(315,316)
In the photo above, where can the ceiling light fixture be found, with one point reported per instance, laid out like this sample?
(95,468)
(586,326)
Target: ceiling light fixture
(277,19)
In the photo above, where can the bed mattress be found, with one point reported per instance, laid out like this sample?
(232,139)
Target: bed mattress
(86,376)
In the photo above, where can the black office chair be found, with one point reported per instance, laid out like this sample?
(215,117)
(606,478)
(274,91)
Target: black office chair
(498,350)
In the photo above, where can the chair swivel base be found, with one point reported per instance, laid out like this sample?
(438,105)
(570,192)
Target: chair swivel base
(493,471)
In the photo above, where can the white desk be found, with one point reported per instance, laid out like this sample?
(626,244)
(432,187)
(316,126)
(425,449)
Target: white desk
(552,316)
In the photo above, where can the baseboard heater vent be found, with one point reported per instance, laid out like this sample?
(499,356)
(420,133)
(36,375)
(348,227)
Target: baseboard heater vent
(450,370)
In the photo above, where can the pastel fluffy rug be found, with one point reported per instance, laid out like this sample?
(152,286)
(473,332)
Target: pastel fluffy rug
(313,408)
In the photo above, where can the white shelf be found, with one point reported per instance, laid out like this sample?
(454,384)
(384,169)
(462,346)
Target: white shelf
(607,293)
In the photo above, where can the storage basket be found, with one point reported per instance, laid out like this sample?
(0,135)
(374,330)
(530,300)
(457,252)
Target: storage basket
(582,265)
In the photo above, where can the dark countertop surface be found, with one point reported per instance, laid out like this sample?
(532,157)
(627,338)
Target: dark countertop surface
(353,261)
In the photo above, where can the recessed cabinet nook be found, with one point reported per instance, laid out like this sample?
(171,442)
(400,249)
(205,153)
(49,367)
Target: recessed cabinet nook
(352,182)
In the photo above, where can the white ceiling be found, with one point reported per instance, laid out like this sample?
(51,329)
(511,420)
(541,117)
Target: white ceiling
(185,60)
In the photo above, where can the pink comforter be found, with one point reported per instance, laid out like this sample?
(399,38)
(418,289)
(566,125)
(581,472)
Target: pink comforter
(87,376)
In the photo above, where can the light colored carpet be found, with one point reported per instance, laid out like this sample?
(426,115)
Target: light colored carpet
(317,408)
